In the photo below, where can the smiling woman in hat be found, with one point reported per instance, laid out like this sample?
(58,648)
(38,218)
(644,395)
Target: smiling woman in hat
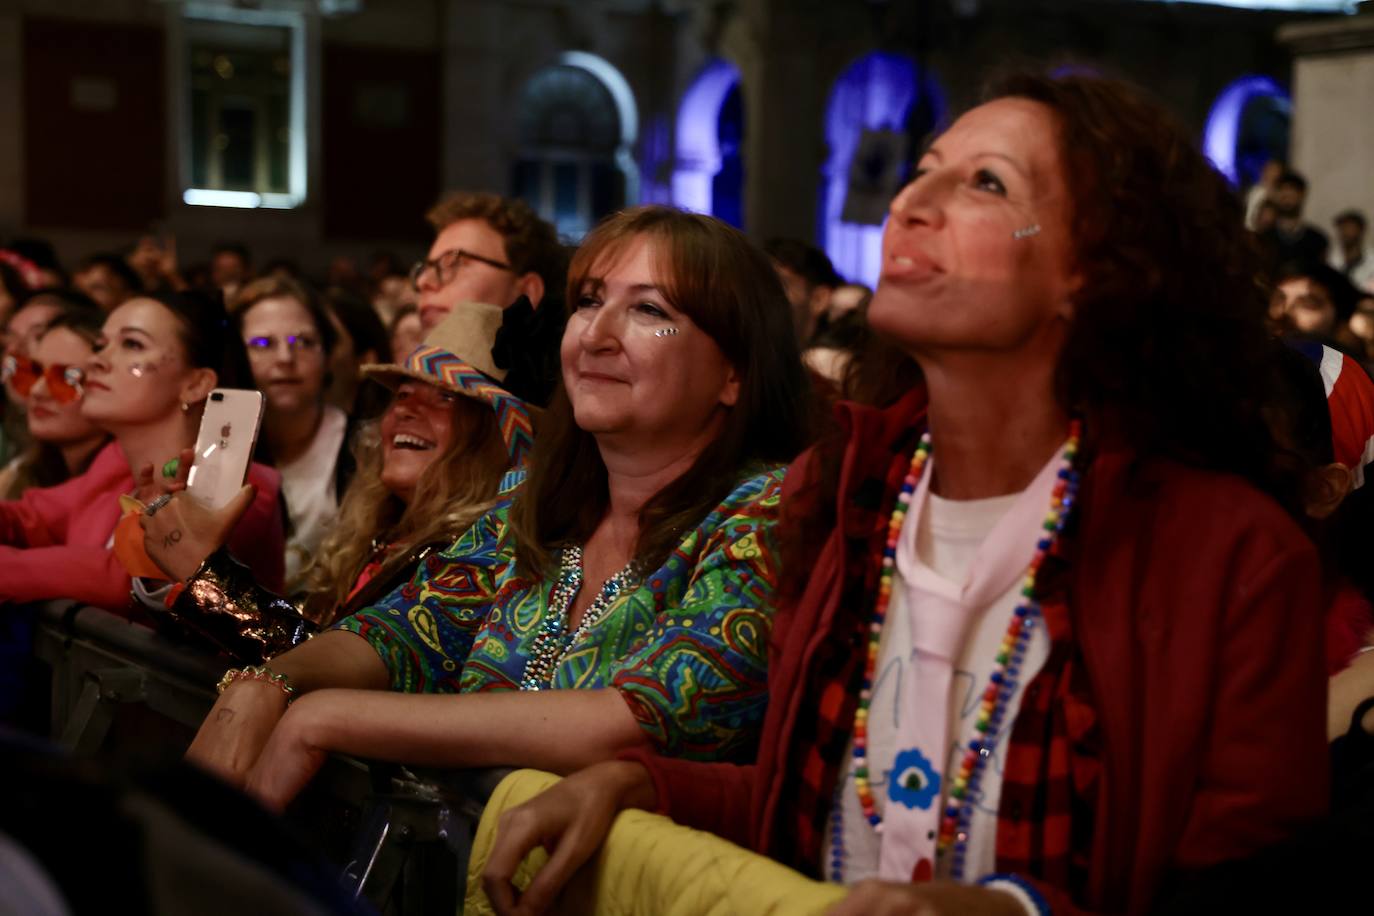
(437,466)
(427,469)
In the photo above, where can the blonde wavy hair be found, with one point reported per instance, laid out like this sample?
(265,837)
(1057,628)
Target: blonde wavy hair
(451,494)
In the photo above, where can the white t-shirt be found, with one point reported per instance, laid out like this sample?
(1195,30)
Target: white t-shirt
(940,538)
(307,484)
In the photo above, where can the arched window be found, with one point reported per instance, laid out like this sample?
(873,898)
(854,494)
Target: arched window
(656,161)
(880,109)
(577,127)
(1247,126)
(709,175)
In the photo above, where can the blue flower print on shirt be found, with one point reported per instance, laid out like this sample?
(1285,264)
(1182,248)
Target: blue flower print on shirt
(914,782)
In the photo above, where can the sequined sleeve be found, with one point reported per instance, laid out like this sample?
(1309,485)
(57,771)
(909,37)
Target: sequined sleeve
(225,602)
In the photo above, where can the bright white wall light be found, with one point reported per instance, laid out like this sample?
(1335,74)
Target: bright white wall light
(243,200)
(208,197)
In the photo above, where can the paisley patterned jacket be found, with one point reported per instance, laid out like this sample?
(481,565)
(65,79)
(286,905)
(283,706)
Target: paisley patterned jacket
(686,648)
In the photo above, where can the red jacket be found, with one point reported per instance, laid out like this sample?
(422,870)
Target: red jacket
(1196,610)
(54,541)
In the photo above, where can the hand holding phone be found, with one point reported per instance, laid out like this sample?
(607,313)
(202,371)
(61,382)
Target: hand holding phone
(224,446)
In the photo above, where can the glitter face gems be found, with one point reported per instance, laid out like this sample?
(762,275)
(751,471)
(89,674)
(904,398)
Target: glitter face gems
(665,332)
(1026,231)
(146,368)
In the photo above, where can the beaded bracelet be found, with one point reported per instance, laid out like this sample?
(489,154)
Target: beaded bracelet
(257,673)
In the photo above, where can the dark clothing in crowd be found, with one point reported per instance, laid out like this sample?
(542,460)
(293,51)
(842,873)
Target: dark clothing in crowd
(81,834)
(1307,246)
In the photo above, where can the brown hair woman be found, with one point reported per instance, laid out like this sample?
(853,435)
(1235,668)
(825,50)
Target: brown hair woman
(619,597)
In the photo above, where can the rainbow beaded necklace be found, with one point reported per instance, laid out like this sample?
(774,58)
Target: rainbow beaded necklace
(964,789)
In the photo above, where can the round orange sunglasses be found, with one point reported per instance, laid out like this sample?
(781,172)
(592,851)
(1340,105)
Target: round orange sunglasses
(22,373)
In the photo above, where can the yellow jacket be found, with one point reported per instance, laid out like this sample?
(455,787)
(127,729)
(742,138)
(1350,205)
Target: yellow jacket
(649,865)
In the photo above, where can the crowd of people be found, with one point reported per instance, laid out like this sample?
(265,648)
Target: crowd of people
(1322,289)
(1035,579)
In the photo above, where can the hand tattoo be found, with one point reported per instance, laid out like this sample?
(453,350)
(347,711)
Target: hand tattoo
(173,538)
(224,715)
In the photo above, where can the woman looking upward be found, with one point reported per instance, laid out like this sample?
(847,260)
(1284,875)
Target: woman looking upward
(1050,633)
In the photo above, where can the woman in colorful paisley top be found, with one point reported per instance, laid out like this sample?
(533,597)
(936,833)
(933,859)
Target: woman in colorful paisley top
(655,479)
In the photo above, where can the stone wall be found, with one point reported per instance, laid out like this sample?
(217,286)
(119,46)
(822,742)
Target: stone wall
(1333,99)
(789,53)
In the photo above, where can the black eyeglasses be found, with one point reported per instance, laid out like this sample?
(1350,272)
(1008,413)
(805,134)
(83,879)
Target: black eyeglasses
(449,263)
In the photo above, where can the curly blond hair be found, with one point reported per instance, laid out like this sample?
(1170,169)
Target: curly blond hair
(452,493)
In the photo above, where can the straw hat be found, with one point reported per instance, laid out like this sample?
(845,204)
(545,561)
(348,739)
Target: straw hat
(456,356)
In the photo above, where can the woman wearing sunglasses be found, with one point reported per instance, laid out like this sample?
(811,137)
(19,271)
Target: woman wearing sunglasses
(155,362)
(17,336)
(63,441)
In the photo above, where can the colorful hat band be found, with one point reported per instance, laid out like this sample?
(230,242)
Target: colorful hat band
(512,416)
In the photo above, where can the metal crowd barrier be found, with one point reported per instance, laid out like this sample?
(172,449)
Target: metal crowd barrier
(100,661)
(414,830)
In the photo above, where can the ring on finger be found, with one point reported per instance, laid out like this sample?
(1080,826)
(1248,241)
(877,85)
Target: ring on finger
(157,504)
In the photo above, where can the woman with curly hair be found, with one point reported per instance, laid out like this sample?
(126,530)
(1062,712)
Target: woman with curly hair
(1053,641)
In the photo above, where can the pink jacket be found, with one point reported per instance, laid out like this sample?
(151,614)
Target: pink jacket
(54,541)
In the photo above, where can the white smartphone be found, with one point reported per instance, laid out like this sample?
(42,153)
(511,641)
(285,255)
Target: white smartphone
(224,447)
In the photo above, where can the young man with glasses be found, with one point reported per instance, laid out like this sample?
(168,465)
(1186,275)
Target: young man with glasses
(497,250)
(487,248)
